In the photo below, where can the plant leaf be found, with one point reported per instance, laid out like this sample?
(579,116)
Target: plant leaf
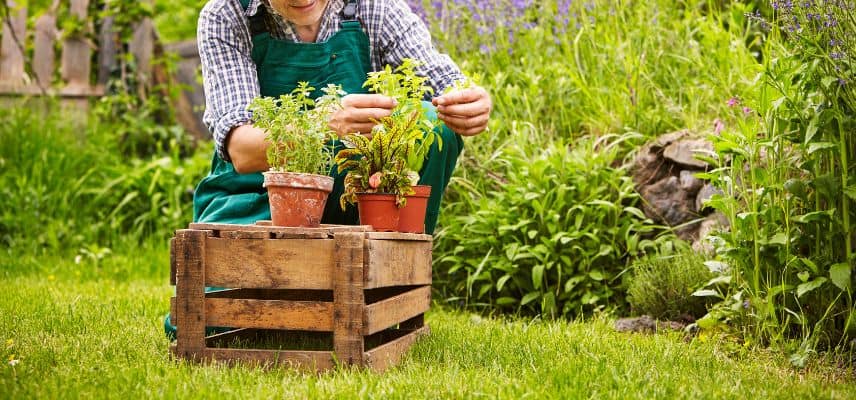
(809,286)
(840,275)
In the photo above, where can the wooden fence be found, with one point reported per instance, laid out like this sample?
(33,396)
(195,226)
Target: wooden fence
(79,79)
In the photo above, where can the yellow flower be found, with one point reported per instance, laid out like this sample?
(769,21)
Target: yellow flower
(10,343)
(702,337)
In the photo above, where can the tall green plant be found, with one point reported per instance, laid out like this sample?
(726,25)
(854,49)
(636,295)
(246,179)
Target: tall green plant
(785,168)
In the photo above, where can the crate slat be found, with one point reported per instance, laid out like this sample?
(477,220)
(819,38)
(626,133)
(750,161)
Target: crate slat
(190,292)
(348,297)
(398,236)
(270,264)
(387,355)
(386,313)
(398,263)
(270,314)
(307,360)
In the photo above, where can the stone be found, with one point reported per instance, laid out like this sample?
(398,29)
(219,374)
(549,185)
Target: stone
(666,202)
(689,182)
(704,194)
(683,152)
(712,223)
(647,324)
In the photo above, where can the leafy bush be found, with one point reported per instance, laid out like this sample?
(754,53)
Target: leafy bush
(789,187)
(553,235)
(67,186)
(663,286)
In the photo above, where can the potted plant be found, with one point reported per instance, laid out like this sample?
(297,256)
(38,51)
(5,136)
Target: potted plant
(383,170)
(299,155)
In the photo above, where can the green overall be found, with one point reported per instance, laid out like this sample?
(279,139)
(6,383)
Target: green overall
(225,196)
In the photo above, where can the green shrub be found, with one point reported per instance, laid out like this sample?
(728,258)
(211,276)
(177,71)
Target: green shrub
(663,286)
(553,235)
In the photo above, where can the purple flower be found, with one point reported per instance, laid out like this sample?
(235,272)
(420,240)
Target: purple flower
(718,126)
(733,101)
(747,110)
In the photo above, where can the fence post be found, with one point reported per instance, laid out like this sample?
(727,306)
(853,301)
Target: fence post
(142,47)
(75,57)
(11,55)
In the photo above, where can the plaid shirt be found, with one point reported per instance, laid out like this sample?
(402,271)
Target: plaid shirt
(229,73)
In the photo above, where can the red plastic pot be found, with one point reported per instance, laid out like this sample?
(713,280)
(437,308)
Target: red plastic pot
(412,215)
(378,210)
(297,199)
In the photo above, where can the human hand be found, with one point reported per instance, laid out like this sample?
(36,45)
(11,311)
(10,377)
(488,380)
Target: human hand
(359,113)
(465,111)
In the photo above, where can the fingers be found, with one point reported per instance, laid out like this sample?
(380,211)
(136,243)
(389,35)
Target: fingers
(465,125)
(359,115)
(369,101)
(479,107)
(460,96)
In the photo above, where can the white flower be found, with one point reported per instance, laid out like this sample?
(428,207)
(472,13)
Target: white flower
(14,362)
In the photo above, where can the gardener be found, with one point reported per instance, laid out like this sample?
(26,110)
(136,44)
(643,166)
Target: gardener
(265,47)
(250,48)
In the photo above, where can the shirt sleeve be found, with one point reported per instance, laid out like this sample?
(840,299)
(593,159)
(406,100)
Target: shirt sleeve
(404,35)
(228,71)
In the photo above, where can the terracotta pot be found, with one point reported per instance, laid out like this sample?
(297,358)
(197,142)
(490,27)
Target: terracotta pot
(412,218)
(378,210)
(297,199)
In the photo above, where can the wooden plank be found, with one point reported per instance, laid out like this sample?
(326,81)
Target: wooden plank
(245,234)
(272,294)
(388,355)
(280,232)
(270,263)
(142,48)
(43,50)
(11,47)
(172,261)
(269,314)
(348,301)
(76,54)
(397,263)
(386,313)
(347,228)
(190,292)
(307,360)
(398,236)
(107,49)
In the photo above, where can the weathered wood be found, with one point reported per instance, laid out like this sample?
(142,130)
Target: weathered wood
(107,49)
(389,312)
(378,294)
(398,236)
(190,292)
(270,264)
(272,294)
(75,55)
(397,263)
(348,301)
(172,261)
(278,232)
(142,48)
(43,50)
(245,234)
(308,360)
(11,54)
(269,314)
(387,355)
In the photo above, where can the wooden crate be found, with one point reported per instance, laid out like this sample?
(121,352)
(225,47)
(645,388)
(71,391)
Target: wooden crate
(360,294)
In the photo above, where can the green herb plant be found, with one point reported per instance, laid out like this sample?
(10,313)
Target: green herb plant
(297,128)
(389,162)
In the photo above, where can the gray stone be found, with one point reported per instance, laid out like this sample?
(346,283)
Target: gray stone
(712,223)
(683,152)
(704,194)
(666,202)
(689,182)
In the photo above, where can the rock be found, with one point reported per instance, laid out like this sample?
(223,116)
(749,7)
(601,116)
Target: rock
(638,324)
(647,324)
(669,138)
(714,222)
(689,182)
(704,194)
(666,202)
(683,152)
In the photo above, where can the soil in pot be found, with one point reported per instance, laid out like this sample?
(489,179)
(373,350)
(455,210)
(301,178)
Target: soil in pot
(297,199)
(412,215)
(378,210)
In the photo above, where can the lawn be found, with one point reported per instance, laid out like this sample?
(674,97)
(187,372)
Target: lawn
(98,334)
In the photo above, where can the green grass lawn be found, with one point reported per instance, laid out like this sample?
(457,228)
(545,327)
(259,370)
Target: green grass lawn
(78,336)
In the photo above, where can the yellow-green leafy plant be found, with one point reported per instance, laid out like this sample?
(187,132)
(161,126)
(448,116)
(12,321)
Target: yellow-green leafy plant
(297,128)
(389,162)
